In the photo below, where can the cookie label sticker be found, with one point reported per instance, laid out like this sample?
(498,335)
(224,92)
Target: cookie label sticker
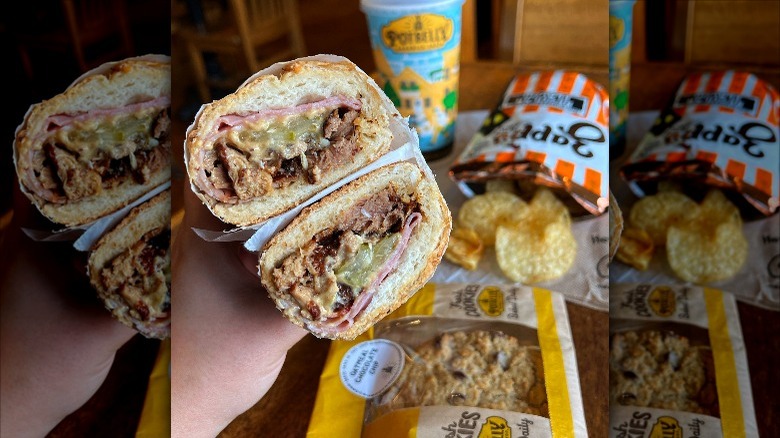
(370,367)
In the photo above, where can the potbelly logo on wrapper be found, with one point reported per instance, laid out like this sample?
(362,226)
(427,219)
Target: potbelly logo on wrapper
(666,427)
(417,33)
(662,301)
(495,427)
(491,301)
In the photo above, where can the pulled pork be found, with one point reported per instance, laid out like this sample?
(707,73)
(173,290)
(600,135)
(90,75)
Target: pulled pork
(70,179)
(309,274)
(238,178)
(140,276)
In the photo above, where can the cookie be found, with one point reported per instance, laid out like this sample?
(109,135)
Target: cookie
(661,369)
(479,369)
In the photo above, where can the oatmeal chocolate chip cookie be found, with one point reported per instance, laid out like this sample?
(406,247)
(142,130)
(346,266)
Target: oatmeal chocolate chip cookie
(662,370)
(480,369)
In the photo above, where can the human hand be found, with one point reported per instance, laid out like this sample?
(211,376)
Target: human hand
(57,343)
(229,340)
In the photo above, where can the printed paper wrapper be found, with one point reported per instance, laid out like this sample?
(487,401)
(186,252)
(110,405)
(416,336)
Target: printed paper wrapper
(536,317)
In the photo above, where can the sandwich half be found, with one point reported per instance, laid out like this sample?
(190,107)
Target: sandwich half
(284,136)
(359,253)
(130,267)
(99,145)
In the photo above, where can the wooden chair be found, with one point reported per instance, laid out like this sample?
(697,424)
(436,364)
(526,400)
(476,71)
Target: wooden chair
(676,37)
(254,32)
(544,32)
(733,32)
(85,29)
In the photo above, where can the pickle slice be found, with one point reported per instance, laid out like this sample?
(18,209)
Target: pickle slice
(357,272)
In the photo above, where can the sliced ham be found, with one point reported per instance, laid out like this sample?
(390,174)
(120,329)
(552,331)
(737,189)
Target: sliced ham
(59,121)
(336,325)
(234,120)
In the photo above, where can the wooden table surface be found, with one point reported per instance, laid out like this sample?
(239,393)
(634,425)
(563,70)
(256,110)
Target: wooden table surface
(286,409)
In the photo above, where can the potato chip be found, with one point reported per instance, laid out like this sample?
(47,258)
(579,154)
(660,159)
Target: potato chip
(656,213)
(717,209)
(702,251)
(636,248)
(535,250)
(501,185)
(464,248)
(483,213)
(546,207)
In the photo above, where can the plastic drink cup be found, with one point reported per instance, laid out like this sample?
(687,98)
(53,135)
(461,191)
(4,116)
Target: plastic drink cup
(620,25)
(416,47)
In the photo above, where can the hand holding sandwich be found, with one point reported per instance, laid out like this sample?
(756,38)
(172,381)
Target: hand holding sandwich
(57,343)
(230,340)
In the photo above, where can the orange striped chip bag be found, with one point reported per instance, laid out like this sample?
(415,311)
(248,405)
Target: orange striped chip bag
(550,128)
(721,129)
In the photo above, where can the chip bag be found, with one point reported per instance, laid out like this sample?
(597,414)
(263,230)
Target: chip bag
(456,360)
(677,363)
(721,129)
(550,128)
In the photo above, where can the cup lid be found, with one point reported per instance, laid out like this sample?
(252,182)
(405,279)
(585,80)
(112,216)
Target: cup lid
(412,5)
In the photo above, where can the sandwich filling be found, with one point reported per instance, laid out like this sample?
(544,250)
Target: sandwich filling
(254,154)
(334,276)
(141,277)
(84,154)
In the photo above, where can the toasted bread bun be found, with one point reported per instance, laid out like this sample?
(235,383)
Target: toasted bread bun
(272,97)
(417,262)
(125,258)
(130,87)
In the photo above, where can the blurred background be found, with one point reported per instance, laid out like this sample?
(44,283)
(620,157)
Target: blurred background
(45,45)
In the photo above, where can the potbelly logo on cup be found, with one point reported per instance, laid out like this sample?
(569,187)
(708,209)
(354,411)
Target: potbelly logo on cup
(417,33)
(491,301)
(662,301)
(666,427)
(370,367)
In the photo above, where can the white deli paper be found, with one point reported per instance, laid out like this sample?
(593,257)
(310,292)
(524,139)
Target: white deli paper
(757,283)
(586,283)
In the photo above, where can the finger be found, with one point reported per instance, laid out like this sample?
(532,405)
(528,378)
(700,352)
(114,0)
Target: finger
(250,260)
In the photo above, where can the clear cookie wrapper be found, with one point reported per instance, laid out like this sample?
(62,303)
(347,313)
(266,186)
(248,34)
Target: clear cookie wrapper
(456,360)
(678,365)
(550,128)
(585,283)
(719,130)
(404,147)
